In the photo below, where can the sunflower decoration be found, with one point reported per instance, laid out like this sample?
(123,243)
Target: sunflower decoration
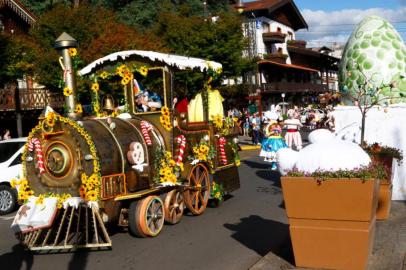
(50,119)
(143,71)
(218,121)
(165,118)
(95,87)
(104,75)
(67,91)
(167,169)
(24,190)
(78,108)
(217,192)
(73,52)
(89,190)
(40,199)
(125,80)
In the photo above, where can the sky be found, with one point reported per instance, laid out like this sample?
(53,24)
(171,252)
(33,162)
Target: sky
(332,21)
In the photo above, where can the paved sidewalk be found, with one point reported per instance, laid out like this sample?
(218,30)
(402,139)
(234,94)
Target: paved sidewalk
(389,246)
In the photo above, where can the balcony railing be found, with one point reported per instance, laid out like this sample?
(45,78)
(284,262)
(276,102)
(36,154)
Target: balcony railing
(273,37)
(276,57)
(286,87)
(29,99)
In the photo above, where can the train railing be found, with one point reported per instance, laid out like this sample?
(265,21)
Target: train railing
(29,99)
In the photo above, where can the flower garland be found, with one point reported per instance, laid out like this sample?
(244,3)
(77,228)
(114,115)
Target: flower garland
(90,189)
(168,170)
(224,126)
(217,192)
(165,118)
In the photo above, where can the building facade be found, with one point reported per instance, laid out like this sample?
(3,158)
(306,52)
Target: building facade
(285,67)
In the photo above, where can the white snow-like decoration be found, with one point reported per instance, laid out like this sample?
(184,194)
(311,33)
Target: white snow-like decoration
(286,158)
(327,154)
(93,205)
(320,135)
(180,62)
(168,184)
(124,116)
(386,126)
(72,202)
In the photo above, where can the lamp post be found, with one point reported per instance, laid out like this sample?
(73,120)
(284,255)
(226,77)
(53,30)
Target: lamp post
(240,6)
(63,43)
(283,102)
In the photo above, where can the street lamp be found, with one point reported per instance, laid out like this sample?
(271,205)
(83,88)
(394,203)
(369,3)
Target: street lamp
(240,6)
(283,102)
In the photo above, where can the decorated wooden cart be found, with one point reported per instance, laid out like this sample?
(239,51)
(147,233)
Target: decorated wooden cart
(136,165)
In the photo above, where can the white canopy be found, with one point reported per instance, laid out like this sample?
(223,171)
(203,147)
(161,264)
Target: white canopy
(180,62)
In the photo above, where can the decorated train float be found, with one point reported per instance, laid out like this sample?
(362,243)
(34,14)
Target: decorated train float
(138,166)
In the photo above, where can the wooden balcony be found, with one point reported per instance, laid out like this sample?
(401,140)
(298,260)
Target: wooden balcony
(29,99)
(276,57)
(273,37)
(290,87)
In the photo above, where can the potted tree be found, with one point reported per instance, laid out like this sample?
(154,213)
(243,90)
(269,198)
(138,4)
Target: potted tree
(384,155)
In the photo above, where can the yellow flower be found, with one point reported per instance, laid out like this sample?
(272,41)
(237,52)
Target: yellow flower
(94,179)
(78,108)
(217,195)
(73,52)
(162,120)
(168,155)
(67,91)
(181,167)
(143,71)
(40,199)
(91,195)
(219,71)
(172,163)
(237,163)
(125,81)
(165,111)
(82,191)
(14,183)
(50,119)
(162,172)
(95,87)
(104,75)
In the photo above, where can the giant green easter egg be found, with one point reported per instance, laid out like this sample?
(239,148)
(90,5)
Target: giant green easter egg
(375,55)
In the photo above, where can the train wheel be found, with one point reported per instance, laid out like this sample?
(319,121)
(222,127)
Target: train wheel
(198,191)
(134,220)
(173,206)
(152,215)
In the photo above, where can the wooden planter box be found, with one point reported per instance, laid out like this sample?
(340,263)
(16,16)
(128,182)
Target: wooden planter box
(385,188)
(332,223)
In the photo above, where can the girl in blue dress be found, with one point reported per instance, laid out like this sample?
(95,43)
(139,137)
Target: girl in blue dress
(272,143)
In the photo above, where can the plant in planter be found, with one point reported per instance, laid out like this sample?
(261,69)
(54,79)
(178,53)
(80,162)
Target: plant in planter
(332,216)
(383,156)
(331,194)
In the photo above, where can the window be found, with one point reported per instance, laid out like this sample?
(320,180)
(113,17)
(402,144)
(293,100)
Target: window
(279,29)
(7,150)
(265,27)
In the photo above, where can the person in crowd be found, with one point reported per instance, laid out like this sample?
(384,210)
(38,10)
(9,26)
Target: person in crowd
(272,143)
(256,126)
(246,126)
(6,135)
(293,125)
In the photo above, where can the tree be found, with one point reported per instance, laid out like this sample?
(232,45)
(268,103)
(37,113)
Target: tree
(367,95)
(95,28)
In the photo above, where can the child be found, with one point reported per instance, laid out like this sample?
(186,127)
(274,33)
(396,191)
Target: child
(272,143)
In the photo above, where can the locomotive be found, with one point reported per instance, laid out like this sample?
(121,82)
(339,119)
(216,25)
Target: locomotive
(138,169)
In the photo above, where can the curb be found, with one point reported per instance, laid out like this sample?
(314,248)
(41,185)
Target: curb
(250,147)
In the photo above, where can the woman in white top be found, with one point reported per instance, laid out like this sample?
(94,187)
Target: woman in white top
(293,125)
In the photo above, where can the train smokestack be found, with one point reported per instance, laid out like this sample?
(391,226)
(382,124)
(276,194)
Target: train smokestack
(63,43)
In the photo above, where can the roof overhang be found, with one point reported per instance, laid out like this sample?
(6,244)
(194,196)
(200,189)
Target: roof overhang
(291,66)
(20,10)
(270,6)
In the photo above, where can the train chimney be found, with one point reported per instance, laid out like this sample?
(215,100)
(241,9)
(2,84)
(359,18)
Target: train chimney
(63,43)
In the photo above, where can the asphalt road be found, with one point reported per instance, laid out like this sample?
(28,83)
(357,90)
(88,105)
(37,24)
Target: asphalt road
(233,236)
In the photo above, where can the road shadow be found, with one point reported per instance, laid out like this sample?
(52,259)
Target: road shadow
(79,259)
(257,165)
(263,236)
(270,175)
(15,259)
